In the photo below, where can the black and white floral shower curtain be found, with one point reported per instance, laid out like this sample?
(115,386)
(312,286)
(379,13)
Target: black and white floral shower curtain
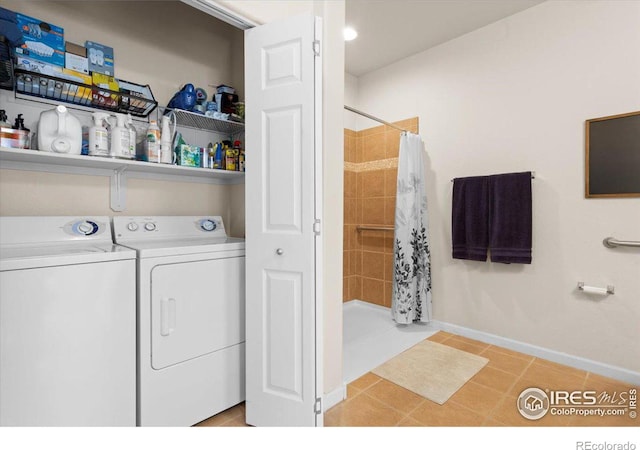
(411,299)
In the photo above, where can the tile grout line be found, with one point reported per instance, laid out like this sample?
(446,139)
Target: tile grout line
(506,394)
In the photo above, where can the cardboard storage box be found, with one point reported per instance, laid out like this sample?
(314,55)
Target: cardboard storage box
(100,58)
(75,62)
(43,41)
(43,68)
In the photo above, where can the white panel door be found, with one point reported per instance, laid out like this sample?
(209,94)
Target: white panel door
(281,122)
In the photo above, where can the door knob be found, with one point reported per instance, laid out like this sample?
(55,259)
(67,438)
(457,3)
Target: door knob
(279,251)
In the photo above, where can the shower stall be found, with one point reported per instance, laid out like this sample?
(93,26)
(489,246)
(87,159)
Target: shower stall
(370,335)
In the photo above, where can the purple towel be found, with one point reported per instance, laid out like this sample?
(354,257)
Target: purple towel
(492,212)
(470,218)
(510,218)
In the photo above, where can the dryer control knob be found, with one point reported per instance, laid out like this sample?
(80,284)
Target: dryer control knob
(208,225)
(132,226)
(85,227)
(150,226)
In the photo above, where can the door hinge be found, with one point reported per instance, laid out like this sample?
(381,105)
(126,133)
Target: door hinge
(317,406)
(316,227)
(316,47)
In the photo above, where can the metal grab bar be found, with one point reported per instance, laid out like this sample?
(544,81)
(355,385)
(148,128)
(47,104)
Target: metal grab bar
(373,228)
(612,242)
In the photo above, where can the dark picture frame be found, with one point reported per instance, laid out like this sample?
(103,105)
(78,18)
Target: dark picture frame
(612,156)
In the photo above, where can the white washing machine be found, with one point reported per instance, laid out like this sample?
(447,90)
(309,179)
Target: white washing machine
(191,307)
(67,324)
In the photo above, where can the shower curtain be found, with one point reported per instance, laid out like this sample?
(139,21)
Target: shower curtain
(411,298)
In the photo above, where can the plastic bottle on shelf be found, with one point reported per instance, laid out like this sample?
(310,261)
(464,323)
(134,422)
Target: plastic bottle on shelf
(24,134)
(237,150)
(166,150)
(241,158)
(120,138)
(217,159)
(132,136)
(99,135)
(3,119)
(230,163)
(211,155)
(152,142)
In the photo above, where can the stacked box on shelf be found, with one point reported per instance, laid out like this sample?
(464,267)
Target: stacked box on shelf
(42,41)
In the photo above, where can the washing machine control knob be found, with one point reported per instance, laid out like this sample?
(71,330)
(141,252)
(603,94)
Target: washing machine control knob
(85,228)
(208,225)
(132,226)
(150,226)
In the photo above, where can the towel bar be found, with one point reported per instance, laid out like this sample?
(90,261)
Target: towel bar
(533,176)
(611,242)
(373,228)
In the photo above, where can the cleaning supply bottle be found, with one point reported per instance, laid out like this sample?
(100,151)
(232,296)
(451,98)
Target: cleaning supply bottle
(59,131)
(166,141)
(217,158)
(3,119)
(237,150)
(212,155)
(230,163)
(120,138)
(152,142)
(241,160)
(132,137)
(99,135)
(23,132)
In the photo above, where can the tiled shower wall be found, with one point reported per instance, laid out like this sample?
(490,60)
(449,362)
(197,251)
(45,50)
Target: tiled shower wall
(370,170)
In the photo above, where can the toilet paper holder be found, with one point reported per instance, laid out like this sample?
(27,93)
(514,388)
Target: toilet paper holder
(609,290)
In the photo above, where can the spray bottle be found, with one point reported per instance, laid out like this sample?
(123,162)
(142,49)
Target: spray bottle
(166,141)
(152,142)
(120,138)
(132,137)
(98,135)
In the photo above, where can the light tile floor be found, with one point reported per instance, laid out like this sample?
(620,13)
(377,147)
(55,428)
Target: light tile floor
(488,399)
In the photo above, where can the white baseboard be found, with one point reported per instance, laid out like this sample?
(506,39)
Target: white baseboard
(355,302)
(607,370)
(334,397)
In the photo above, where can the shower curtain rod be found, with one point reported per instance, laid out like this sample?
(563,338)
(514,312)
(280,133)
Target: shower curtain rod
(369,116)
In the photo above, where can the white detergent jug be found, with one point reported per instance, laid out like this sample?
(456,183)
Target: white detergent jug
(59,131)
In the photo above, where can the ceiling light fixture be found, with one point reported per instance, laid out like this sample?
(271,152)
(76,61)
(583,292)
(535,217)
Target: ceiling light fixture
(350,34)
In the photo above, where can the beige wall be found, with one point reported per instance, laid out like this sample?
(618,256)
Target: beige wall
(332,13)
(513,96)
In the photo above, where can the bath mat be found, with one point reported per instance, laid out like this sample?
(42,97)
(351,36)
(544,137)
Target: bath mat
(432,370)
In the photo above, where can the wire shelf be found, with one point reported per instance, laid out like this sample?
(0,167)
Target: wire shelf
(198,121)
(77,93)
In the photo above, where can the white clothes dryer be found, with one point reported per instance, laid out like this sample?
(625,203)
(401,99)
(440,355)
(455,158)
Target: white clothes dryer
(67,324)
(191,315)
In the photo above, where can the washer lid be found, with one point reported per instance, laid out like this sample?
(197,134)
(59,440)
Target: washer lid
(17,257)
(174,247)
